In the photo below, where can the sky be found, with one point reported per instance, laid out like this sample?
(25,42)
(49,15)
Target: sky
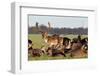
(59,21)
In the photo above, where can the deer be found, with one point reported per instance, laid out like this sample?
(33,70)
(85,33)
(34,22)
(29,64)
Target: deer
(55,51)
(55,40)
(79,47)
(35,51)
(50,40)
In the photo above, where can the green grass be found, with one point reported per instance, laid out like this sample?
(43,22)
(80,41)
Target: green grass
(38,43)
(36,39)
(45,57)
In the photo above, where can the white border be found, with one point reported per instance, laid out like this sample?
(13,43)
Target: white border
(19,38)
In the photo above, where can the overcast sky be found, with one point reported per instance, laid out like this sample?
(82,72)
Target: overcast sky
(58,21)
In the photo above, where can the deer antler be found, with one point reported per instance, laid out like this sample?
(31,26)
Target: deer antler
(49,26)
(37,26)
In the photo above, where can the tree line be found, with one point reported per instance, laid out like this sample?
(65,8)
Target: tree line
(63,30)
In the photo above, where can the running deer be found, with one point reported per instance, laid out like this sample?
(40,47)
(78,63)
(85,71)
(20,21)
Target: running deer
(50,40)
(53,40)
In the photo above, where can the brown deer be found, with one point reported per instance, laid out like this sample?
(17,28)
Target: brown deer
(55,41)
(79,47)
(35,51)
(55,51)
(50,40)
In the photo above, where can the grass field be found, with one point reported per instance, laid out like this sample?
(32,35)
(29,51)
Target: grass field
(38,43)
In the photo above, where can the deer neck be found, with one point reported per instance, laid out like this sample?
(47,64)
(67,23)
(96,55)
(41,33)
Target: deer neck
(45,38)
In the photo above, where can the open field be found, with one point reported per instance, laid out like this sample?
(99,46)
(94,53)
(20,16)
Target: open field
(38,43)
